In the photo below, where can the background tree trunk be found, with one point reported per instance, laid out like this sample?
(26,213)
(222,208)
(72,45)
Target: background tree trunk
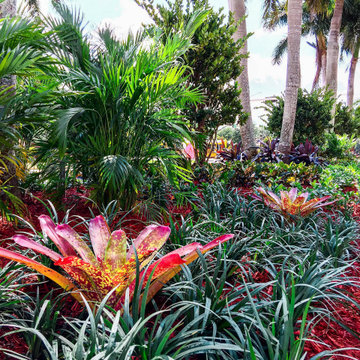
(333,53)
(323,61)
(352,71)
(292,76)
(246,130)
(8,8)
(320,61)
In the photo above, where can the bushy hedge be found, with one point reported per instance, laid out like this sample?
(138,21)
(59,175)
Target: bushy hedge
(312,115)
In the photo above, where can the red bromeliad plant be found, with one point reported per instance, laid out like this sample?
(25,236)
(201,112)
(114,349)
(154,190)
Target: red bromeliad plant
(110,265)
(290,203)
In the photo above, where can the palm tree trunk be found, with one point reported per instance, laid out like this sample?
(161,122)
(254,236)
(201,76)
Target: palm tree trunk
(320,60)
(323,62)
(246,130)
(351,81)
(318,66)
(333,53)
(292,76)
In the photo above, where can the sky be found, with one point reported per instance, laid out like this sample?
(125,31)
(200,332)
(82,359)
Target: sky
(265,79)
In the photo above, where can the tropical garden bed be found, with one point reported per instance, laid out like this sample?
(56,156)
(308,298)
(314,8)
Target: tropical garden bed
(119,239)
(281,274)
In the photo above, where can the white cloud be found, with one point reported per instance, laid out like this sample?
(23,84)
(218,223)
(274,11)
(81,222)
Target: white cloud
(265,79)
(131,19)
(45,6)
(264,34)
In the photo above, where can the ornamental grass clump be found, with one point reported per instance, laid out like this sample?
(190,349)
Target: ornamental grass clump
(111,263)
(290,203)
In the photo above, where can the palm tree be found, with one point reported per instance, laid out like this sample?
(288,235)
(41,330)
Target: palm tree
(21,54)
(119,118)
(292,76)
(7,8)
(246,130)
(332,58)
(350,36)
(316,23)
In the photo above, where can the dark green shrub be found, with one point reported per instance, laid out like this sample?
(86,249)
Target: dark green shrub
(313,115)
(214,61)
(338,146)
(230,133)
(347,122)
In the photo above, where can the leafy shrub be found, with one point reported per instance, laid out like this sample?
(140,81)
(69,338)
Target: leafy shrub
(22,53)
(230,133)
(313,115)
(233,152)
(347,121)
(357,148)
(268,151)
(238,174)
(214,61)
(305,153)
(339,147)
(341,175)
(287,174)
(248,173)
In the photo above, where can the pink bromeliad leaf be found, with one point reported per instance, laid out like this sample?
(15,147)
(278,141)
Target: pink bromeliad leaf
(162,266)
(290,203)
(99,235)
(73,238)
(33,245)
(115,253)
(49,228)
(53,275)
(293,194)
(152,237)
(100,279)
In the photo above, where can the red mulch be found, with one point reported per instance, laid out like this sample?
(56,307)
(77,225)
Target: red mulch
(331,334)
(14,342)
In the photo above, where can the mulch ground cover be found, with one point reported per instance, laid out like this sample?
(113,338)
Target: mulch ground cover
(326,335)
